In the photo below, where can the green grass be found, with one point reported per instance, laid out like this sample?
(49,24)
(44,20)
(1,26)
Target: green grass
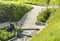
(38,2)
(52,31)
(8,0)
(54,2)
(35,2)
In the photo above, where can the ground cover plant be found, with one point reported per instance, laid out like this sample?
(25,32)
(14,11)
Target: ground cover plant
(52,31)
(12,10)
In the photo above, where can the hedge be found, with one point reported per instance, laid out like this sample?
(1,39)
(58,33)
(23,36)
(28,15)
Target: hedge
(5,35)
(13,11)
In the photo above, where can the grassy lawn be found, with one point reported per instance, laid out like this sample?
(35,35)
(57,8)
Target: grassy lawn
(42,2)
(35,2)
(52,31)
(54,2)
(38,2)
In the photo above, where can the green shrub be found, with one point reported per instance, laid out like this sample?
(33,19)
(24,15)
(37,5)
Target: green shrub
(43,16)
(12,10)
(5,35)
(17,28)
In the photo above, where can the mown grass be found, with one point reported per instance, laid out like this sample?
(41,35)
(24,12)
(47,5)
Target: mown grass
(42,2)
(54,2)
(52,31)
(35,2)
(38,2)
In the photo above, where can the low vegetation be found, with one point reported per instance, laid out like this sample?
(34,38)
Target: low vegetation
(52,31)
(5,35)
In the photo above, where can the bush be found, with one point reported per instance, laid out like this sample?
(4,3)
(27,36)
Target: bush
(43,16)
(13,11)
(17,28)
(5,35)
